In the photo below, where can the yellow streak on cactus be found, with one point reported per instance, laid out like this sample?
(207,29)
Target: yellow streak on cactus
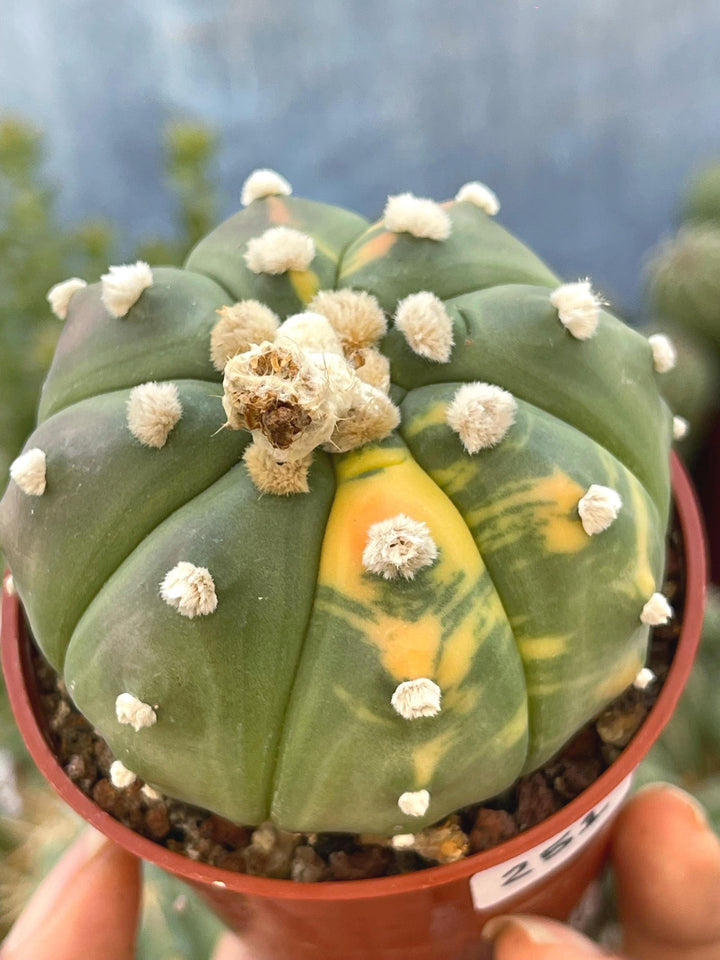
(515,729)
(358,709)
(375,483)
(610,687)
(457,658)
(427,755)
(373,249)
(644,579)
(542,648)
(305,283)
(550,509)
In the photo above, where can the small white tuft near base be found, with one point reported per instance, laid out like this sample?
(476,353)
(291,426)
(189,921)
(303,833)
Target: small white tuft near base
(60,295)
(680,428)
(414,803)
(417,698)
(280,479)
(657,611)
(355,315)
(29,472)
(264,183)
(481,195)
(147,791)
(578,308)
(9,585)
(663,352)
(120,776)
(122,286)
(130,710)
(311,331)
(153,409)
(426,325)
(481,414)
(398,546)
(406,213)
(190,589)
(240,326)
(403,841)
(644,679)
(279,249)
(598,508)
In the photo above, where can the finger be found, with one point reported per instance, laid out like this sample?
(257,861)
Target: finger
(230,948)
(86,907)
(533,938)
(667,862)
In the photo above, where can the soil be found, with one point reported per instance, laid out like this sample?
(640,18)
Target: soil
(266,851)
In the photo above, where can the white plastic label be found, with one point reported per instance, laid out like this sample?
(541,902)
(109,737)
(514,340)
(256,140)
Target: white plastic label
(507,879)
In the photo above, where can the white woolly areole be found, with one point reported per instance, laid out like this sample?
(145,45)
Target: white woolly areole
(355,315)
(598,508)
(122,286)
(150,794)
(406,213)
(680,428)
(417,698)
(578,308)
(426,325)
(663,351)
(29,472)
(60,295)
(9,585)
(279,249)
(481,414)
(481,195)
(190,589)
(657,611)
(130,710)
(372,367)
(403,841)
(269,476)
(153,409)
(120,776)
(398,546)
(414,803)
(240,326)
(372,417)
(644,678)
(312,331)
(264,183)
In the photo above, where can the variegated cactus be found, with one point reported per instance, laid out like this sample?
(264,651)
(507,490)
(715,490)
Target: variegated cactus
(407,549)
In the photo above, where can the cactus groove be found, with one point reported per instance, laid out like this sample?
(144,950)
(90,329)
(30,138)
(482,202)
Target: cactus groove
(277,658)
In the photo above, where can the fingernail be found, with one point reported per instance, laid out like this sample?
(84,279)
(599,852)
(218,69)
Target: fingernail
(48,897)
(693,805)
(538,931)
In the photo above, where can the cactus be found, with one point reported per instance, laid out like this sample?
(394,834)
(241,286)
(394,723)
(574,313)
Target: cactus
(412,542)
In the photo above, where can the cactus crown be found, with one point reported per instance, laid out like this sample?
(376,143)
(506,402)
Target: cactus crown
(413,542)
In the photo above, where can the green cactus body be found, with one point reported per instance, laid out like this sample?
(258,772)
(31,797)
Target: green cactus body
(288,669)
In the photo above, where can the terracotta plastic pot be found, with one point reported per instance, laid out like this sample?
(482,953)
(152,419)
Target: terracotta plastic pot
(432,914)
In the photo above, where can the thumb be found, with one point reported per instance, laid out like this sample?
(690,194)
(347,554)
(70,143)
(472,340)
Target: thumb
(87,907)
(520,937)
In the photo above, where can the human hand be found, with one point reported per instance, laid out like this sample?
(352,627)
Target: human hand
(667,868)
(88,907)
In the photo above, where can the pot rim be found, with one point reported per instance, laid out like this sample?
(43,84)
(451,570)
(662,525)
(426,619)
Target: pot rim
(15,668)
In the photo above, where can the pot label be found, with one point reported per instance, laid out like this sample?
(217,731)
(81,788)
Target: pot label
(492,886)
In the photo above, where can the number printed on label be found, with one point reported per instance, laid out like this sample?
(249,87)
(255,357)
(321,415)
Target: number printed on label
(505,880)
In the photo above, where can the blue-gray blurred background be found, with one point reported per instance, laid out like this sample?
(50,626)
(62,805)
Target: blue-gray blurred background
(585,116)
